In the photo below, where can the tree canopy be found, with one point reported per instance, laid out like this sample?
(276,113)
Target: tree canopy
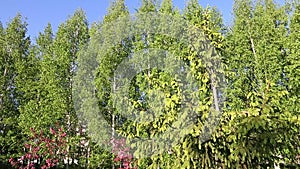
(156,88)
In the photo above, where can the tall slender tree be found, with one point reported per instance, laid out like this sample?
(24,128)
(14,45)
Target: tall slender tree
(71,37)
(98,62)
(39,111)
(14,59)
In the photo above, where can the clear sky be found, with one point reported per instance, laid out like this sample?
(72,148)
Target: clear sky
(41,12)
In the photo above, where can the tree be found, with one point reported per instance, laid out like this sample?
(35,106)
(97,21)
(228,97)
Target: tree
(71,37)
(100,112)
(257,95)
(52,98)
(39,111)
(155,78)
(291,71)
(14,59)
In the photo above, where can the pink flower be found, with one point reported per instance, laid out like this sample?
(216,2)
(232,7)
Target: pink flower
(27,145)
(64,134)
(55,161)
(126,163)
(36,149)
(52,130)
(48,161)
(28,156)
(130,157)
(117,159)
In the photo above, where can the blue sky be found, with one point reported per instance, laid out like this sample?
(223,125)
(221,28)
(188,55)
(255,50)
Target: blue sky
(39,13)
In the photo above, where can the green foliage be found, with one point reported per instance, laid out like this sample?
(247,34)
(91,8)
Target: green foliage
(55,79)
(262,127)
(50,88)
(14,60)
(292,61)
(143,86)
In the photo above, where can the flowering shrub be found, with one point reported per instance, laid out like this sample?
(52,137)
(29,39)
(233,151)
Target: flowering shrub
(123,156)
(42,150)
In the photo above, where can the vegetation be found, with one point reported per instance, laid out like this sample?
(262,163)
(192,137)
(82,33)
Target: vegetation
(44,124)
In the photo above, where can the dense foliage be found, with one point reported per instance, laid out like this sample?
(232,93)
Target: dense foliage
(44,124)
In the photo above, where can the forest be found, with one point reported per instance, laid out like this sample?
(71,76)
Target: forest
(159,88)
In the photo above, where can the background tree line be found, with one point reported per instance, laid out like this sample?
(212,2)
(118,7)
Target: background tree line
(259,127)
